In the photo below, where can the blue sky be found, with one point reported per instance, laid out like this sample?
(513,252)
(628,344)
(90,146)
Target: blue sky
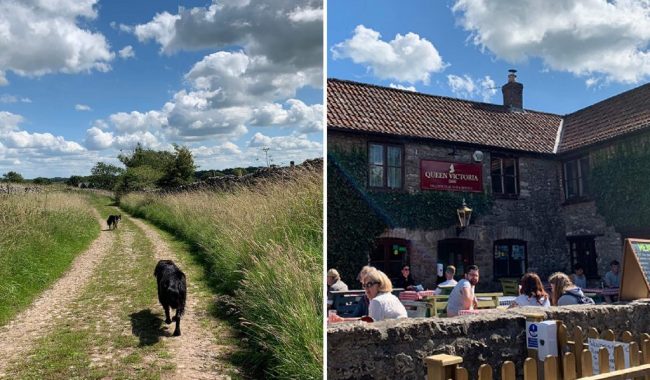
(82,80)
(568,56)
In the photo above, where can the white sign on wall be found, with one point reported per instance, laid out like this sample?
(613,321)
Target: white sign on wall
(596,344)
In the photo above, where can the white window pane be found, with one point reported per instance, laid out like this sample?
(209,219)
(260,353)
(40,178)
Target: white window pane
(375,154)
(394,178)
(394,156)
(376,176)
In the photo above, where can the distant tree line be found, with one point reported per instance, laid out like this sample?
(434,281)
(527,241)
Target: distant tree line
(143,169)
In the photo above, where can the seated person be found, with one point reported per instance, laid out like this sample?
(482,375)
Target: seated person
(334,283)
(531,292)
(462,296)
(578,277)
(362,307)
(449,278)
(563,291)
(612,279)
(406,281)
(383,304)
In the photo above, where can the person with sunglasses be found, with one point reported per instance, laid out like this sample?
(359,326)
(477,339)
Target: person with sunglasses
(383,304)
(406,281)
(362,307)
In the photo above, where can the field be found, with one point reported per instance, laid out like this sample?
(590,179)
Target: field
(263,246)
(40,234)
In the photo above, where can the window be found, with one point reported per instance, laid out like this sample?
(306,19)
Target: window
(385,166)
(389,256)
(509,258)
(576,175)
(583,251)
(504,176)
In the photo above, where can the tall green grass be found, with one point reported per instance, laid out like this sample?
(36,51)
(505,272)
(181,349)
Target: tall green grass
(40,235)
(264,246)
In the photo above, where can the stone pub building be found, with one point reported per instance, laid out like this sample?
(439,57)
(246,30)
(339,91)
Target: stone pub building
(530,170)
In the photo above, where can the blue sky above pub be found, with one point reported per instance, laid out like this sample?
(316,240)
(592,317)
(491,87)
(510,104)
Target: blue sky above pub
(81,81)
(568,56)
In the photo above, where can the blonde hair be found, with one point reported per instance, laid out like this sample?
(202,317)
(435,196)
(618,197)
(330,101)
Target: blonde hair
(364,271)
(561,283)
(375,275)
(334,274)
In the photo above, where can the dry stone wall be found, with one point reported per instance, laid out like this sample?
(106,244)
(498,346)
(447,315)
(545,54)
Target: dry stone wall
(396,349)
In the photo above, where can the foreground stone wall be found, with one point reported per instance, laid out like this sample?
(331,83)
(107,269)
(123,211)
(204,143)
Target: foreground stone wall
(396,349)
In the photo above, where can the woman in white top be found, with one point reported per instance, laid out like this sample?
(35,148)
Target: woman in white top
(531,292)
(383,304)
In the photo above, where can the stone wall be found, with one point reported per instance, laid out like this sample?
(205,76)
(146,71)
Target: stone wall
(396,349)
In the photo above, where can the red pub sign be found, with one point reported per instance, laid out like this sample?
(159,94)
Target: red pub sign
(451,176)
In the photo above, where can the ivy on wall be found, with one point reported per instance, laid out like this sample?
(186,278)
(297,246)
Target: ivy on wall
(620,184)
(357,215)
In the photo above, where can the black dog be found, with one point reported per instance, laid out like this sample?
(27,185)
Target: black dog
(172,291)
(113,220)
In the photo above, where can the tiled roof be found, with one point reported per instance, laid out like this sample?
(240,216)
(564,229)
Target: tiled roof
(362,107)
(619,115)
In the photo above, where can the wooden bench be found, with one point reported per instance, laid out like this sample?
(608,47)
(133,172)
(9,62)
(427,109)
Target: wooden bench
(510,286)
(416,309)
(438,304)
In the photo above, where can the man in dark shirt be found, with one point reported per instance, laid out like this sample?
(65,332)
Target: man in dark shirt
(406,281)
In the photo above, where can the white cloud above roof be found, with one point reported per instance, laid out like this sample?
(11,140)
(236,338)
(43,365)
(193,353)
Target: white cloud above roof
(406,58)
(468,88)
(590,38)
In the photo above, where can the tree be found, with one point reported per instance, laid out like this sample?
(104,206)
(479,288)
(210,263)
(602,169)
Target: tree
(74,181)
(13,177)
(158,160)
(105,176)
(180,171)
(42,181)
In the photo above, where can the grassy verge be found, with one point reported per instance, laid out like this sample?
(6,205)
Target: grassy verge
(113,329)
(264,246)
(40,235)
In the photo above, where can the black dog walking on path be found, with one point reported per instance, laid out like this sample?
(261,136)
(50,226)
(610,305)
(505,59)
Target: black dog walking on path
(113,220)
(172,291)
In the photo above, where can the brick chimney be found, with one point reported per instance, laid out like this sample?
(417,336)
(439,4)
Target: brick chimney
(513,92)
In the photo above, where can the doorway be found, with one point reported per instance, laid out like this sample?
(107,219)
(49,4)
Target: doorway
(456,252)
(389,256)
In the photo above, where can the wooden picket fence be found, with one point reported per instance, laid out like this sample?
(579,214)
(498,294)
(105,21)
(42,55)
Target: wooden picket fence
(573,363)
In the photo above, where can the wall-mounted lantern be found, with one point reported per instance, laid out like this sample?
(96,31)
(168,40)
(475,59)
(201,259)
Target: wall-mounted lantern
(464,216)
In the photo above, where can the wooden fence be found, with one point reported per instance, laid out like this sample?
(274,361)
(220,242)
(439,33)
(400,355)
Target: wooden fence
(574,362)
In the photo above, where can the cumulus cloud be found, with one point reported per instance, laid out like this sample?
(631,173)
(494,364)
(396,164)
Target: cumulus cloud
(400,87)
(228,148)
(407,58)
(96,139)
(82,107)
(592,38)
(287,32)
(466,87)
(45,142)
(285,143)
(9,121)
(127,52)
(41,37)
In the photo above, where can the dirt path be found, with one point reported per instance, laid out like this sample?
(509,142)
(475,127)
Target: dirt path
(20,334)
(196,353)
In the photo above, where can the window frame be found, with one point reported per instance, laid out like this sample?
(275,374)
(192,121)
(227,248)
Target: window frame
(581,180)
(591,269)
(510,243)
(385,166)
(502,176)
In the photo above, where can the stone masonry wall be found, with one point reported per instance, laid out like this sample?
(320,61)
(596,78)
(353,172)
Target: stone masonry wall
(396,349)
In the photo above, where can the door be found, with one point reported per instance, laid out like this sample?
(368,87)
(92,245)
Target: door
(456,252)
(389,256)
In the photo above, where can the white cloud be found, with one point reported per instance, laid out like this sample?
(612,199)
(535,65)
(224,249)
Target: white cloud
(298,115)
(6,98)
(465,87)
(284,143)
(406,58)
(82,107)
(225,149)
(400,87)
(127,52)
(138,121)
(42,37)
(590,38)
(288,33)
(9,121)
(96,139)
(45,142)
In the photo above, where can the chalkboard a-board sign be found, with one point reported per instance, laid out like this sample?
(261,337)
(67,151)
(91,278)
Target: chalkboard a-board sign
(635,276)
